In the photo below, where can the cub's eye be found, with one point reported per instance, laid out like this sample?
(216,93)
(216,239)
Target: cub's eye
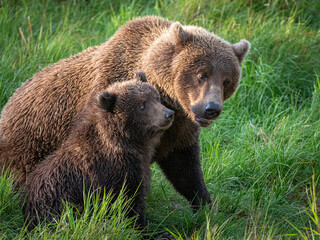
(202,76)
(226,82)
(143,106)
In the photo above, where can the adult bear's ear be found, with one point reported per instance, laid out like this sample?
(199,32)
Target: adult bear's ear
(140,76)
(107,101)
(180,35)
(241,49)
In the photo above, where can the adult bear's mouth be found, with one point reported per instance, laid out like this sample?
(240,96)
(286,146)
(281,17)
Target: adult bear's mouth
(203,122)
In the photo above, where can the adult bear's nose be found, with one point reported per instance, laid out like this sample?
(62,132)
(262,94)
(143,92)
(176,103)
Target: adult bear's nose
(212,110)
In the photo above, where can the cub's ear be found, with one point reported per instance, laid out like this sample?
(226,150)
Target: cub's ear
(180,35)
(107,101)
(140,76)
(241,49)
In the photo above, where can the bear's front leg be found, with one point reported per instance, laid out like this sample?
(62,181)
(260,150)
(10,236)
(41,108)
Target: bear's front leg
(138,210)
(183,169)
(136,189)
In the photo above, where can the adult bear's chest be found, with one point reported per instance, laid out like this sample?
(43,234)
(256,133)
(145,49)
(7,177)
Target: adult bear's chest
(183,133)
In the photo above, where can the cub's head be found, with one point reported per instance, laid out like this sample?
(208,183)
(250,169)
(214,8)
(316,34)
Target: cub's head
(136,105)
(202,70)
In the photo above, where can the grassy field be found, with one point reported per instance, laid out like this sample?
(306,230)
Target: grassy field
(261,158)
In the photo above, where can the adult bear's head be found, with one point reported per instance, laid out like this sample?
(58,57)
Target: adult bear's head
(198,69)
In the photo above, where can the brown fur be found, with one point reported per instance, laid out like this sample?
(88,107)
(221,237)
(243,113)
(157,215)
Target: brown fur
(110,145)
(188,65)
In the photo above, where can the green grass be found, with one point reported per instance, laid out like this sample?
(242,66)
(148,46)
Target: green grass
(261,158)
(99,220)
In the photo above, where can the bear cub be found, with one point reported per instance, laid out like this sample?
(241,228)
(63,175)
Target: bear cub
(110,145)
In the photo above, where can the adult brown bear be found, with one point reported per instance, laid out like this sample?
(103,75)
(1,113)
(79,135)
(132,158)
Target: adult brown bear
(194,70)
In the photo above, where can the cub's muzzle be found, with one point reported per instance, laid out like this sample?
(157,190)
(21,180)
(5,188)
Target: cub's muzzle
(168,119)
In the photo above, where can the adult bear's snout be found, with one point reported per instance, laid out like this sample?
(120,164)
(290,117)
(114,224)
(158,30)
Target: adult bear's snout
(212,110)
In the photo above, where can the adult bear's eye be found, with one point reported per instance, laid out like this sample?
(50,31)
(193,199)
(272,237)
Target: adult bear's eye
(226,82)
(202,76)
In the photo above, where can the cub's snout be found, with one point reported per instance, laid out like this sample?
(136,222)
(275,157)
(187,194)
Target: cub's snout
(168,118)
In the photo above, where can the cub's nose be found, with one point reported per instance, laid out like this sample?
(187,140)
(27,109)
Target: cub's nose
(169,114)
(212,110)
